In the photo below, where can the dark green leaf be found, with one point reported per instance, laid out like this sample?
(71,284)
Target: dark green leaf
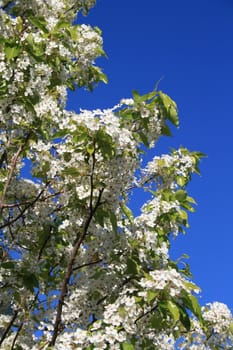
(166,130)
(192,304)
(144,139)
(8,265)
(132,267)
(30,281)
(184,318)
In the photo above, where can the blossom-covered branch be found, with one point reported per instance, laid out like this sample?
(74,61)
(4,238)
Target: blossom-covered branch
(79,270)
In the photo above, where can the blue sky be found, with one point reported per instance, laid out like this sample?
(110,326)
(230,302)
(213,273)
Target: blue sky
(190,45)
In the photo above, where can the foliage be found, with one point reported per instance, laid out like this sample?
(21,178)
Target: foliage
(78,269)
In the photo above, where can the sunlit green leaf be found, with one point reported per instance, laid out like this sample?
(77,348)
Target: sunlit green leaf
(127,346)
(39,22)
(128,213)
(12,50)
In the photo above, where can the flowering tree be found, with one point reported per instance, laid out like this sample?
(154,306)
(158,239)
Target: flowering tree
(78,269)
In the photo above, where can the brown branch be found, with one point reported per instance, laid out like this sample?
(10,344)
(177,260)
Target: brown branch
(8,223)
(145,314)
(8,181)
(23,322)
(8,327)
(3,158)
(69,270)
(92,181)
(13,205)
(16,335)
(87,264)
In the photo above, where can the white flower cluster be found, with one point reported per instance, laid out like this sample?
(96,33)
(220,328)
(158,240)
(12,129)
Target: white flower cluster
(163,279)
(218,316)
(167,168)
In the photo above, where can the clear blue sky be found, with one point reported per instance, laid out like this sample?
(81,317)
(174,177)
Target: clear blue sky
(190,45)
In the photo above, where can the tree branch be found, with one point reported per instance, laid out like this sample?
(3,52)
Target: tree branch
(16,335)
(87,264)
(8,327)
(8,223)
(69,270)
(8,181)
(13,205)
(145,314)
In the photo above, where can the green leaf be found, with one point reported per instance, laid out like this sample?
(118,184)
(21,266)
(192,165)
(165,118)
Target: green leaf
(191,286)
(90,149)
(121,310)
(105,144)
(181,181)
(183,215)
(142,98)
(72,32)
(181,195)
(113,221)
(136,96)
(30,281)
(166,130)
(174,310)
(143,139)
(61,133)
(169,107)
(184,318)
(37,50)
(28,104)
(191,200)
(61,24)
(173,116)
(8,265)
(231,328)
(72,171)
(90,347)
(100,214)
(187,206)
(39,22)
(103,77)
(132,268)
(128,213)
(151,295)
(192,304)
(127,346)
(12,50)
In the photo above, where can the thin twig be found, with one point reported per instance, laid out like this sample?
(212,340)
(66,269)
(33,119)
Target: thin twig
(145,314)
(87,264)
